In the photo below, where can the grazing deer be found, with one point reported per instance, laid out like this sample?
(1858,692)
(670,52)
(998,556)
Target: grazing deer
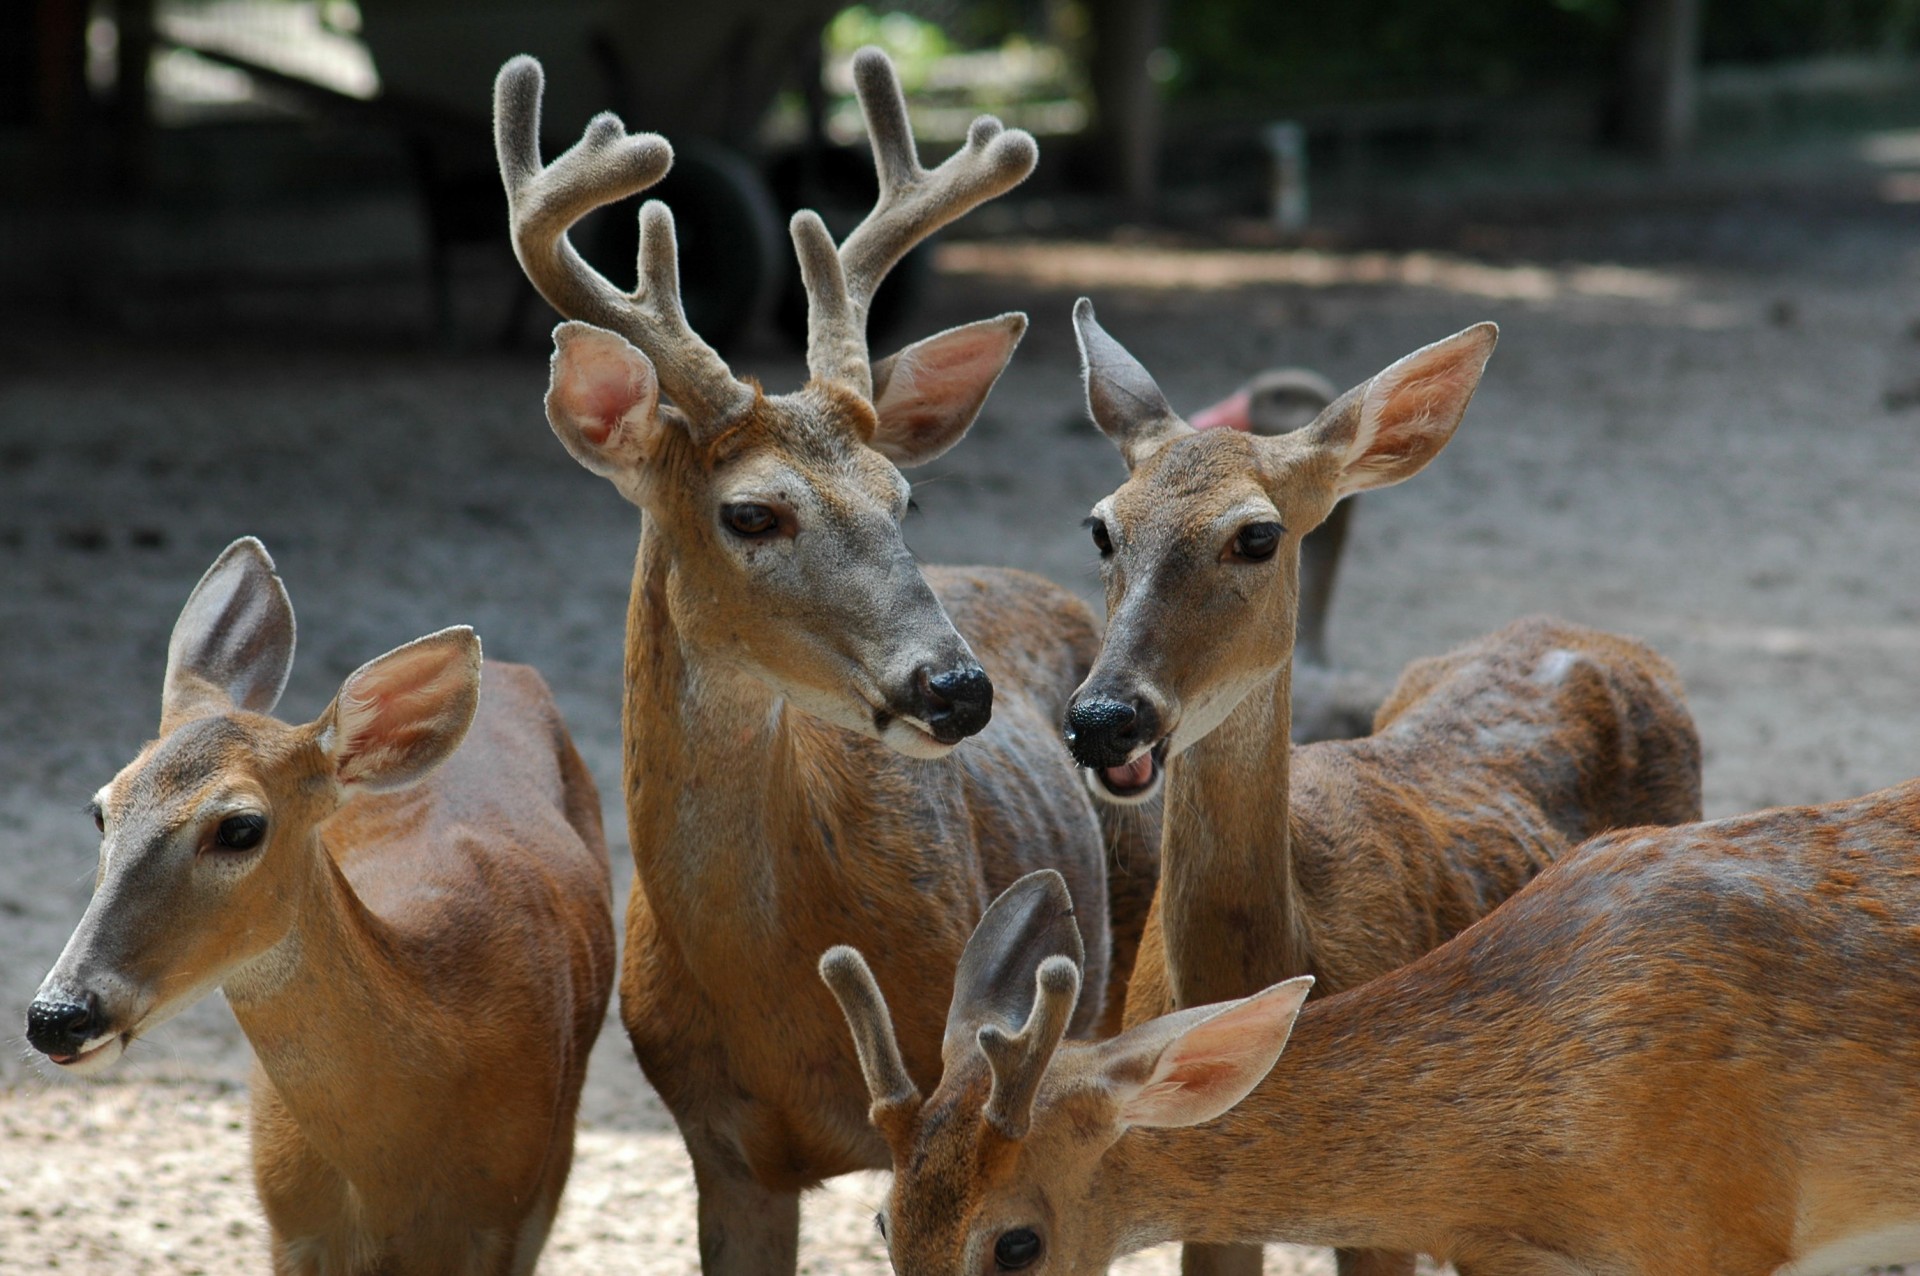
(1328,703)
(1690,1049)
(795,684)
(416,937)
(1352,857)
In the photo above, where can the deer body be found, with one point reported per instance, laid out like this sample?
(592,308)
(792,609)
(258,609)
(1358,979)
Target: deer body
(796,685)
(1679,1050)
(1360,855)
(421,965)
(365,1144)
(1344,859)
(1692,1049)
(762,835)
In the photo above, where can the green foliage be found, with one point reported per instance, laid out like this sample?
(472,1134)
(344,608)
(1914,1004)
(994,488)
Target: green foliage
(913,43)
(1359,50)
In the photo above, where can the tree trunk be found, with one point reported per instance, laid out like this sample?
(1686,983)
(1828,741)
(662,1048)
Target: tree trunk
(1125,34)
(1657,78)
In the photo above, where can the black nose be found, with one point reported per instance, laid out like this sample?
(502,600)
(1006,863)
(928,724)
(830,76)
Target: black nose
(60,1027)
(956,703)
(1102,732)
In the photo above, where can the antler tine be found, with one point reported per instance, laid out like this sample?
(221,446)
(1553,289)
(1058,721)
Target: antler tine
(544,201)
(852,983)
(1019,1060)
(913,204)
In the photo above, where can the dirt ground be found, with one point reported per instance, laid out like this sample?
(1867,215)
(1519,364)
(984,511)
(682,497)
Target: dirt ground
(1702,426)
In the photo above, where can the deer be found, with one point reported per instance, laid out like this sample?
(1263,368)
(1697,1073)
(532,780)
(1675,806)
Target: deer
(1684,1049)
(1328,703)
(823,741)
(1344,859)
(406,903)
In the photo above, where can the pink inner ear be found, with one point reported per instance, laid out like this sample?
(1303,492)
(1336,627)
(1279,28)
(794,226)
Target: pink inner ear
(937,386)
(1421,395)
(597,385)
(400,706)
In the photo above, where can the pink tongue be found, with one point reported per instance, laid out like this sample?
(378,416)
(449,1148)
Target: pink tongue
(1133,775)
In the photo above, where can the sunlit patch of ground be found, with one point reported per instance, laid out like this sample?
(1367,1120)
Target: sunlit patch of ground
(154,1180)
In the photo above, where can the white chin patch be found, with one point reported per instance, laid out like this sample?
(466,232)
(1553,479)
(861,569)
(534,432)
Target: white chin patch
(904,738)
(97,1056)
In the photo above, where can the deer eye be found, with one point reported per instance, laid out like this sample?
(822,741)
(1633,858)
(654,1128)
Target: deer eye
(1102,541)
(1016,1249)
(1257,541)
(750,520)
(99,816)
(241,832)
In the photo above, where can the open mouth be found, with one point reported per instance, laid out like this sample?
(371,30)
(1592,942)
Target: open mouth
(1134,780)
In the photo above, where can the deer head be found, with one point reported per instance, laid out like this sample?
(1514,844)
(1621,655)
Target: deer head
(1200,547)
(1004,1167)
(208,837)
(781,513)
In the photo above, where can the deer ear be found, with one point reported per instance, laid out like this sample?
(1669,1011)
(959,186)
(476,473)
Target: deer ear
(1031,921)
(929,393)
(1122,396)
(603,399)
(1387,429)
(1193,1065)
(401,715)
(232,646)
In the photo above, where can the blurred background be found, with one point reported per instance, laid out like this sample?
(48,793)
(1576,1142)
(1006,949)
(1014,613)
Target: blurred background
(173,159)
(255,279)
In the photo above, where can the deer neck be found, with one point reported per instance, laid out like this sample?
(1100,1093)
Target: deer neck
(1229,908)
(1318,1154)
(717,772)
(343,1032)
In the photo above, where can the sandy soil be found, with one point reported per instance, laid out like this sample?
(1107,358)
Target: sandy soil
(1700,427)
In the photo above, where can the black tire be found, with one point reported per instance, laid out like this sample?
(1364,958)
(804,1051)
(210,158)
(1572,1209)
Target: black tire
(839,184)
(730,235)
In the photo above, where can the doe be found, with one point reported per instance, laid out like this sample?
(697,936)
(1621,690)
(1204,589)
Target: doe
(1344,859)
(416,935)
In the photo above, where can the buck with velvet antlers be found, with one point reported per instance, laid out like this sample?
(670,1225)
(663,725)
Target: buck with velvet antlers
(406,902)
(1693,1049)
(795,685)
(1345,859)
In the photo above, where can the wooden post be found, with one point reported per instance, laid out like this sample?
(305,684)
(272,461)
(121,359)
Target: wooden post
(1125,34)
(1657,82)
(132,112)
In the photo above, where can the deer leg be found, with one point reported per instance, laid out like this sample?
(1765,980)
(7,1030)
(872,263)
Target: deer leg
(1220,1260)
(1373,1262)
(745,1229)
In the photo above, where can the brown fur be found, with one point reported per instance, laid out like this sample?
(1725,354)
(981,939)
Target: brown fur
(1689,1049)
(1346,859)
(788,785)
(763,835)
(422,1045)
(1481,770)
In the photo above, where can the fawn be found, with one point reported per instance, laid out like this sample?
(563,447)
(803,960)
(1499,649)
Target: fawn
(416,935)
(1690,1049)
(795,684)
(1348,858)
